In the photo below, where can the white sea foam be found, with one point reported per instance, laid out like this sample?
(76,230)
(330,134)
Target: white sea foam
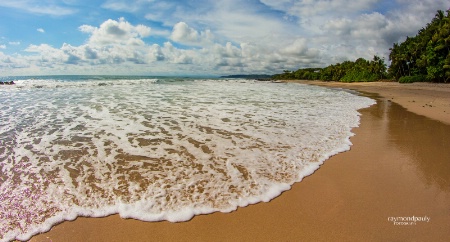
(159,152)
(62,83)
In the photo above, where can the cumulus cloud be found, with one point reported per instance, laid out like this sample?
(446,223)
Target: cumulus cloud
(183,59)
(265,36)
(89,53)
(345,30)
(40,30)
(46,54)
(114,44)
(340,27)
(184,34)
(227,51)
(367,29)
(156,53)
(13,63)
(298,47)
(116,32)
(179,56)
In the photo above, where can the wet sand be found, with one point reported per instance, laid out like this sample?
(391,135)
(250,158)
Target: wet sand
(428,99)
(398,166)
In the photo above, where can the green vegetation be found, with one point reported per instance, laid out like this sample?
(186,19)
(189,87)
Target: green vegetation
(411,79)
(425,57)
(348,71)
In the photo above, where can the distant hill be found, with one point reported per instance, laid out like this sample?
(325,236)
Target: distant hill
(252,76)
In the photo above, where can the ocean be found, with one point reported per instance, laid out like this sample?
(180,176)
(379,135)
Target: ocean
(158,148)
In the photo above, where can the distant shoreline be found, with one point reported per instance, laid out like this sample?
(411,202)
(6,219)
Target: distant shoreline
(251,76)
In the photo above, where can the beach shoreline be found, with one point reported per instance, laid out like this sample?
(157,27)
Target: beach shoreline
(397,169)
(428,99)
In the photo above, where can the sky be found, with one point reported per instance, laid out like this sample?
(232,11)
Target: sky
(200,37)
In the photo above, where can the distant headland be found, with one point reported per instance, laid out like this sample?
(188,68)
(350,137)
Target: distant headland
(251,76)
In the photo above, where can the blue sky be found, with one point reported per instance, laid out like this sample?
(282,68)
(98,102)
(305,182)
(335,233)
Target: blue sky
(199,37)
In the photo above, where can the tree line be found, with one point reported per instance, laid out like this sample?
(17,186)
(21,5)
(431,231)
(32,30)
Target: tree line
(424,57)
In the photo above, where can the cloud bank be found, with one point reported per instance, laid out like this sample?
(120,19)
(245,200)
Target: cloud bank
(221,37)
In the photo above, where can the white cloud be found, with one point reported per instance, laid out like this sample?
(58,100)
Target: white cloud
(125,6)
(340,27)
(87,29)
(2,46)
(346,30)
(46,54)
(184,34)
(110,44)
(12,63)
(240,21)
(156,53)
(89,53)
(14,43)
(227,51)
(233,36)
(174,55)
(116,32)
(309,8)
(183,59)
(120,6)
(41,30)
(298,47)
(38,7)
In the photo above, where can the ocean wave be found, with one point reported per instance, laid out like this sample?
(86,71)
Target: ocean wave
(160,152)
(58,83)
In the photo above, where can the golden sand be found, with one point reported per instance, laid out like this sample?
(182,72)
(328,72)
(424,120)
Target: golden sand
(398,168)
(428,99)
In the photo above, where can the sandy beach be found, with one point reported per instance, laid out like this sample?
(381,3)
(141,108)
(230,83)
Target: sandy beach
(397,170)
(428,99)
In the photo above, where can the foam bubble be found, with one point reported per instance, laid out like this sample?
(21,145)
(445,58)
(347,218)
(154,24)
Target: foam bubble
(160,152)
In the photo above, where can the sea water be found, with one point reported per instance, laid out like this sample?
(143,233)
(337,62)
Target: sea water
(158,148)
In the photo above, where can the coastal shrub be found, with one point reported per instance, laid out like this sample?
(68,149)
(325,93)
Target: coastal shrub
(411,79)
(361,70)
(359,76)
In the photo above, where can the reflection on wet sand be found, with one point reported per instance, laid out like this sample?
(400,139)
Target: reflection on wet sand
(410,133)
